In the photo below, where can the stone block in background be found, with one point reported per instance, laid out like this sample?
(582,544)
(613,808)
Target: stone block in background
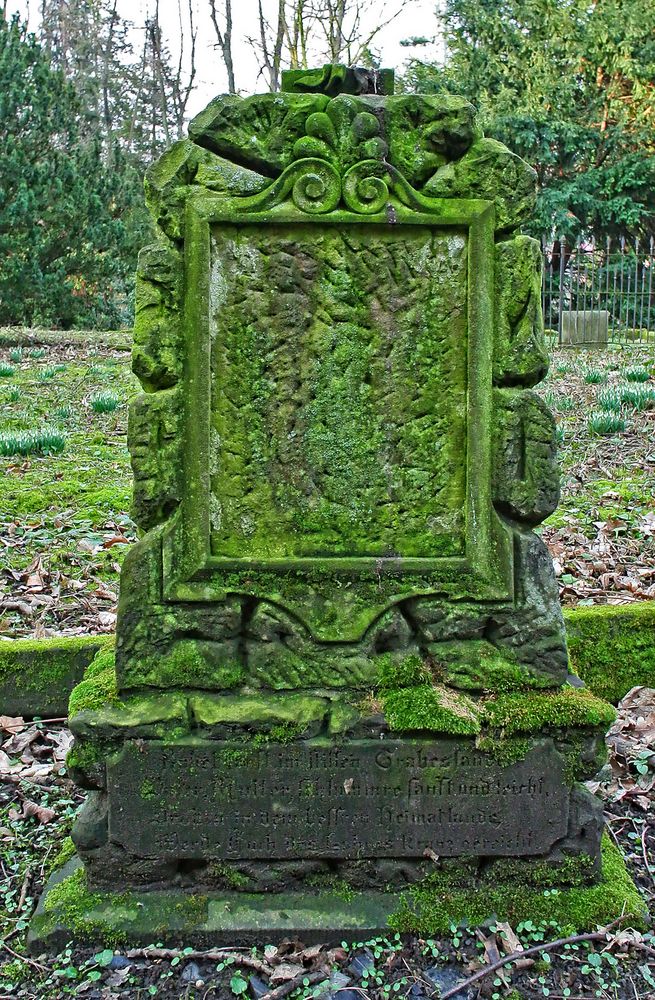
(585,327)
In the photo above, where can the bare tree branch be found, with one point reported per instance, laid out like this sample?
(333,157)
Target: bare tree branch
(224,39)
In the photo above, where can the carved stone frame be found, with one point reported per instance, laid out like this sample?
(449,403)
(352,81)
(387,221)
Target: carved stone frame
(192,574)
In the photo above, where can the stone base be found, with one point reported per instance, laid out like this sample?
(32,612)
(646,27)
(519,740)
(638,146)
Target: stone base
(68,911)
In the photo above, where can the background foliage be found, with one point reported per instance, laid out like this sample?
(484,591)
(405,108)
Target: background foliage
(86,105)
(570,86)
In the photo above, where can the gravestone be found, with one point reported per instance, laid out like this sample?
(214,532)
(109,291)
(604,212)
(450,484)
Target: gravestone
(340,655)
(588,327)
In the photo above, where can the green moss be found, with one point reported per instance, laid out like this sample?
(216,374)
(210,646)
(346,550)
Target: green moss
(288,715)
(505,751)
(536,711)
(430,709)
(102,661)
(231,877)
(402,671)
(285,732)
(187,666)
(612,648)
(37,675)
(46,661)
(147,790)
(94,692)
(477,665)
(84,756)
(73,904)
(431,906)
(578,870)
(64,854)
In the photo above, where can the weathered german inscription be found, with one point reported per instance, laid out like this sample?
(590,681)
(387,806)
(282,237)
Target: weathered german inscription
(365,799)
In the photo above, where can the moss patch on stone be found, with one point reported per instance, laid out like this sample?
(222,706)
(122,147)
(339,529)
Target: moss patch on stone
(537,711)
(612,648)
(267,712)
(37,675)
(95,691)
(430,708)
(402,671)
(431,907)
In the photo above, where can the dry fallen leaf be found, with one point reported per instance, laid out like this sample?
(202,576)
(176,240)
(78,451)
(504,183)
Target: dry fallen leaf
(42,813)
(12,724)
(285,971)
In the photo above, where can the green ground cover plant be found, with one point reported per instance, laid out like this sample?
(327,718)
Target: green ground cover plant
(595,376)
(637,374)
(605,423)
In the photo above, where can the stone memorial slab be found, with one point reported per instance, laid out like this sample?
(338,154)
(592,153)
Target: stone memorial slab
(586,326)
(340,655)
(364,800)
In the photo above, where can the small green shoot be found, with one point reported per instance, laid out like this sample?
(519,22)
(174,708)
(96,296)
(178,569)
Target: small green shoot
(16,355)
(637,374)
(594,376)
(609,400)
(44,441)
(605,423)
(637,396)
(6,371)
(104,402)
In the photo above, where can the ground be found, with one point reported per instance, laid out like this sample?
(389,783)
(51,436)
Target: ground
(65,523)
(601,537)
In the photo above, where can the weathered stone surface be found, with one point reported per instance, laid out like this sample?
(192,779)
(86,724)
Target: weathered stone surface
(520,357)
(174,176)
(534,633)
(354,445)
(489,170)
(154,439)
(259,131)
(334,79)
(310,801)
(526,471)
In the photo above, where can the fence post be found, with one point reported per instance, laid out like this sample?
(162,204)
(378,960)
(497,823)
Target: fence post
(560,309)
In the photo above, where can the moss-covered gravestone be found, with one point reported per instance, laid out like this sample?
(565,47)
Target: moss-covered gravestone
(340,691)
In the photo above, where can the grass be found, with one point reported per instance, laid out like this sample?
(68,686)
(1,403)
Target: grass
(610,401)
(601,533)
(62,506)
(6,371)
(637,396)
(594,376)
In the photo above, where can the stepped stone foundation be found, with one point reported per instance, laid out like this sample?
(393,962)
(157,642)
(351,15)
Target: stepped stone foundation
(340,688)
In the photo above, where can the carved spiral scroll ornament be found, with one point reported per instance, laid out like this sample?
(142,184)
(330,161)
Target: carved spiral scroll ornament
(317,189)
(365,188)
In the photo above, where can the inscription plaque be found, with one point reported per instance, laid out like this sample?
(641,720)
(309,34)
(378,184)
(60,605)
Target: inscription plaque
(365,799)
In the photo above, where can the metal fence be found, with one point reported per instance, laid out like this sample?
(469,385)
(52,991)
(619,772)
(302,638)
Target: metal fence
(597,293)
